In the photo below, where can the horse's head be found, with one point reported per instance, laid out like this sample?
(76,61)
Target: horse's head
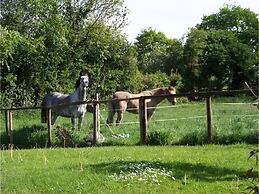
(84,80)
(170,90)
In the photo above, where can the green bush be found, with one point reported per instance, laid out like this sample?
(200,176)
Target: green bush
(158,138)
(38,138)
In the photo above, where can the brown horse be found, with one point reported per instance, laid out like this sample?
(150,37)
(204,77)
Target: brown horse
(132,105)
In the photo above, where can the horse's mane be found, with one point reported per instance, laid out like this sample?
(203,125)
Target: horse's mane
(160,91)
(157,91)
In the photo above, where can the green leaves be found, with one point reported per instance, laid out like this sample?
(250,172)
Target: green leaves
(44,45)
(220,52)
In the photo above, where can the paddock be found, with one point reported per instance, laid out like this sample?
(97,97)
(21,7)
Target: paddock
(206,118)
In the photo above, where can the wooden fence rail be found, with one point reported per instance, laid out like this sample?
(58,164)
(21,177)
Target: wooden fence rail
(142,112)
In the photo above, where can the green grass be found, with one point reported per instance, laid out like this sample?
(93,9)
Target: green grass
(111,168)
(131,169)
(184,124)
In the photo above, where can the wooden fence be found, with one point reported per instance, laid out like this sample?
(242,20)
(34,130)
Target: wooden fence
(142,113)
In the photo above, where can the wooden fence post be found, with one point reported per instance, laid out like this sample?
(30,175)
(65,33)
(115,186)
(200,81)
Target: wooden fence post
(209,118)
(95,123)
(49,126)
(7,120)
(9,128)
(143,120)
(98,113)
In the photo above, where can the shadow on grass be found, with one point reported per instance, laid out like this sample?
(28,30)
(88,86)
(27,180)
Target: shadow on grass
(201,172)
(27,137)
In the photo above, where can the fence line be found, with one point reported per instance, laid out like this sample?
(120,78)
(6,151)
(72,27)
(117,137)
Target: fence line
(142,112)
(182,118)
(188,94)
(181,105)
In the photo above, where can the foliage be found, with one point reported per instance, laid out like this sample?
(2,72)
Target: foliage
(193,57)
(158,138)
(230,54)
(45,44)
(254,185)
(156,52)
(54,40)
(240,21)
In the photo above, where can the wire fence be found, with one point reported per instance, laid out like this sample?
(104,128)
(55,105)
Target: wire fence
(171,117)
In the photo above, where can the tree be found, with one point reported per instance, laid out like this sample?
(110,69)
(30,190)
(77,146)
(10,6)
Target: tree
(16,67)
(151,49)
(158,54)
(193,58)
(57,39)
(226,60)
(220,52)
(242,22)
(240,28)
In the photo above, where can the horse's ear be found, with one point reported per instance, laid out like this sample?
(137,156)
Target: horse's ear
(83,73)
(170,88)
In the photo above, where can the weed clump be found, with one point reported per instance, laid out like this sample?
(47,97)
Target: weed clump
(158,138)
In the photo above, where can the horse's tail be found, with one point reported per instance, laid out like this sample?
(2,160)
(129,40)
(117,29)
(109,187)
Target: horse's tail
(43,111)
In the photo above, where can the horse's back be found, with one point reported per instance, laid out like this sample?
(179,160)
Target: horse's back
(121,95)
(130,105)
(56,98)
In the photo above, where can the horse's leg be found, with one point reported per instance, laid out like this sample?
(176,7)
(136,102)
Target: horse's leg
(121,111)
(150,113)
(73,121)
(111,113)
(80,121)
(53,118)
(119,117)
(109,120)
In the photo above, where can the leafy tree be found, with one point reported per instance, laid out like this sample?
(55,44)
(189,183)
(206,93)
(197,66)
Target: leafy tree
(220,52)
(241,21)
(240,26)
(17,66)
(156,53)
(193,57)
(57,39)
(151,49)
(226,60)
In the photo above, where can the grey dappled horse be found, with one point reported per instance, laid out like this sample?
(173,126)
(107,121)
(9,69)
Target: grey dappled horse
(73,111)
(132,106)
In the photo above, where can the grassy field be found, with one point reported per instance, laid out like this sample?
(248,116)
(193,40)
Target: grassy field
(184,124)
(131,169)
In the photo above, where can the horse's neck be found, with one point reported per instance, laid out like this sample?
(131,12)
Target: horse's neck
(157,92)
(79,94)
(82,94)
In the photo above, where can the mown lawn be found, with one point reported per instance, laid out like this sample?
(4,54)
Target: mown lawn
(127,169)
